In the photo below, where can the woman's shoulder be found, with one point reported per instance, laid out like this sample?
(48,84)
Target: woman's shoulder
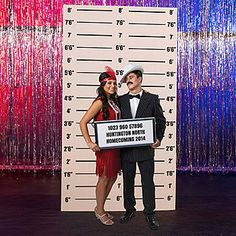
(98,99)
(97,103)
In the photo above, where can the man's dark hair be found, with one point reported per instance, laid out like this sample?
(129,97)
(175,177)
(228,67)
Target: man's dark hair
(138,73)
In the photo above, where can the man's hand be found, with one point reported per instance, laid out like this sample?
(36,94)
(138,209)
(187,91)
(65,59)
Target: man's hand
(156,144)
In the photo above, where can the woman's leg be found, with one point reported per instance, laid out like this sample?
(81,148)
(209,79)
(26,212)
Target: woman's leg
(111,181)
(101,193)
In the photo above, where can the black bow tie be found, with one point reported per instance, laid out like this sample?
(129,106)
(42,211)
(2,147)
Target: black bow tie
(134,96)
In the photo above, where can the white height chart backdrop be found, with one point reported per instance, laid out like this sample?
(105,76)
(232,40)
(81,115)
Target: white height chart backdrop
(96,36)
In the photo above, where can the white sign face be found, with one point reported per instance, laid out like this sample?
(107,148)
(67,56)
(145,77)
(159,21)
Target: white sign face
(99,36)
(125,133)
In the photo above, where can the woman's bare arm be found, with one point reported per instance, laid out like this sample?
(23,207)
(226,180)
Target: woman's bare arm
(88,116)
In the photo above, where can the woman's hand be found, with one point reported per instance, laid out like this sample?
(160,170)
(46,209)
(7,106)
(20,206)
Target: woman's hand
(156,144)
(93,146)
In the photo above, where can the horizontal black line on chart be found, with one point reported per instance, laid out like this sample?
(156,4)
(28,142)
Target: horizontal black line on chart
(157,198)
(85,161)
(143,61)
(95,35)
(85,97)
(80,135)
(84,148)
(151,49)
(145,23)
(88,59)
(154,86)
(162,99)
(85,186)
(153,73)
(147,36)
(87,173)
(87,85)
(77,122)
(88,199)
(158,173)
(88,72)
(139,11)
(158,186)
(81,110)
(94,22)
(98,10)
(83,47)
(85,199)
(159,161)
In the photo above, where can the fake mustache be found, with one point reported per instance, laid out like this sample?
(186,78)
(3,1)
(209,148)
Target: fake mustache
(119,84)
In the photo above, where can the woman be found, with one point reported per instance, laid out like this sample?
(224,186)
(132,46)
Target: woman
(105,107)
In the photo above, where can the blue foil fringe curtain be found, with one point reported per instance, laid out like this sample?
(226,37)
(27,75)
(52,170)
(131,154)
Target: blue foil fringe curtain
(30,83)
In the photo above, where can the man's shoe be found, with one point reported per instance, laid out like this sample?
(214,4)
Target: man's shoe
(152,222)
(128,215)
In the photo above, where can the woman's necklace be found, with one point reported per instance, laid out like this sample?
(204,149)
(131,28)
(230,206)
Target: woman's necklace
(115,108)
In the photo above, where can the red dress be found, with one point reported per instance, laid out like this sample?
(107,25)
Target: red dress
(108,160)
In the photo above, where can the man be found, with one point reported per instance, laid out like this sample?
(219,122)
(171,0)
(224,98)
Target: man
(139,104)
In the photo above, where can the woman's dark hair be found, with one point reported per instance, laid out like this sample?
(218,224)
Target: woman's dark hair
(102,95)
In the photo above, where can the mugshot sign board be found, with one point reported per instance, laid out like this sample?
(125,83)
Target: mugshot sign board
(125,133)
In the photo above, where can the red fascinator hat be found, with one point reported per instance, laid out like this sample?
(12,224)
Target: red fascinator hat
(110,72)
